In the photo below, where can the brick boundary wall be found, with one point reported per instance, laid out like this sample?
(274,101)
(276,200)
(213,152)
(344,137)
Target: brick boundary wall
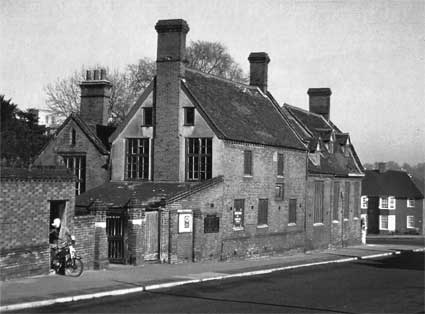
(84,231)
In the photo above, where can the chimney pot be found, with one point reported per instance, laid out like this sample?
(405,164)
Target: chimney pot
(320,101)
(103,74)
(96,75)
(258,64)
(88,75)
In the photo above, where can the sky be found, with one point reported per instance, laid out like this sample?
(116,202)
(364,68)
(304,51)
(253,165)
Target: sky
(370,53)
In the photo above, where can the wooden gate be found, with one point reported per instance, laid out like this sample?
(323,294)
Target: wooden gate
(116,231)
(151,236)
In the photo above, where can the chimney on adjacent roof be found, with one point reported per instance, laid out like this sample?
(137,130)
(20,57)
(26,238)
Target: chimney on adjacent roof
(169,71)
(95,98)
(258,68)
(320,101)
(382,167)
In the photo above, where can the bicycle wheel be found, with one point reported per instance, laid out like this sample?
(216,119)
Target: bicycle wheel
(74,268)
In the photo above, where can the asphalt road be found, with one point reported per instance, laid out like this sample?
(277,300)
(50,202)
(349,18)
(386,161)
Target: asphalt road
(388,285)
(396,240)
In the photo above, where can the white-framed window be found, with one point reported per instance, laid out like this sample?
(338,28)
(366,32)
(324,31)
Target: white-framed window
(364,200)
(387,222)
(410,221)
(387,202)
(410,203)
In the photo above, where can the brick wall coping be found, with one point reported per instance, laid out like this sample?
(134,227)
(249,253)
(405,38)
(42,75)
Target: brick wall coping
(36,173)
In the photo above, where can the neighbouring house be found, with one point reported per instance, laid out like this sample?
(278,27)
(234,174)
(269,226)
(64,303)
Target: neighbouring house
(207,168)
(29,201)
(393,203)
(81,142)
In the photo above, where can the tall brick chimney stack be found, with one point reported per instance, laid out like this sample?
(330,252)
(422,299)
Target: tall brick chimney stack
(320,101)
(258,68)
(169,71)
(95,98)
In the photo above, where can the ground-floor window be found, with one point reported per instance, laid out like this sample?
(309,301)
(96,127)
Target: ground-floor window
(292,219)
(387,222)
(318,202)
(410,222)
(238,213)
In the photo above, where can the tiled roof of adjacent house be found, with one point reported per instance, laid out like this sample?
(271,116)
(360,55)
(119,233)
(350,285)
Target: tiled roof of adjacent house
(118,194)
(37,173)
(389,183)
(239,112)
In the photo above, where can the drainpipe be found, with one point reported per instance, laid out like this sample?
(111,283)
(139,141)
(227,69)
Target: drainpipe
(305,201)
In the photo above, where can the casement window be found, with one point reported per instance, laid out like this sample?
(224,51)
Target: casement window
(211,224)
(410,223)
(280,165)
(335,205)
(364,200)
(73,137)
(387,222)
(198,159)
(263,211)
(356,209)
(410,203)
(292,215)
(189,116)
(318,202)
(137,159)
(238,213)
(247,163)
(387,202)
(77,164)
(279,191)
(147,116)
(347,193)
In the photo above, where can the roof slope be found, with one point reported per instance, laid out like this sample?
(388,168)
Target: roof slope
(389,183)
(118,194)
(240,112)
(37,173)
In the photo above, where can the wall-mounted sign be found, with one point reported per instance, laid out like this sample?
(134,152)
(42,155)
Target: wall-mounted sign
(185,222)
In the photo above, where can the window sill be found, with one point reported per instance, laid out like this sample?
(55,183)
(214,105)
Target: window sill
(238,228)
(335,221)
(188,124)
(345,219)
(146,125)
(291,224)
(262,226)
(247,176)
(316,224)
(280,176)
(356,218)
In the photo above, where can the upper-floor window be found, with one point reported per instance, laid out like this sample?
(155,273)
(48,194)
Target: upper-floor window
(147,116)
(73,137)
(189,116)
(247,163)
(198,159)
(263,211)
(387,202)
(410,203)
(318,202)
(364,200)
(280,165)
(77,164)
(239,213)
(137,159)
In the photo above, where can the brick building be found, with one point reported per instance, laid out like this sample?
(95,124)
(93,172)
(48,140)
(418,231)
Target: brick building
(393,203)
(207,168)
(81,142)
(29,201)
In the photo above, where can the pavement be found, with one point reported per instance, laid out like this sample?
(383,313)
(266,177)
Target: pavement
(40,291)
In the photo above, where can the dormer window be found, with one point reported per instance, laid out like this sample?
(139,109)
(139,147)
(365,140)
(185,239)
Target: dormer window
(189,116)
(147,116)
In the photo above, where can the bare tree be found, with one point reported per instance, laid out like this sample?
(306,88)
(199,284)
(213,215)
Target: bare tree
(213,58)
(63,96)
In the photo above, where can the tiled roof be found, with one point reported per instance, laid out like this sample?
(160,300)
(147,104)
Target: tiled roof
(117,194)
(239,112)
(389,183)
(313,122)
(37,173)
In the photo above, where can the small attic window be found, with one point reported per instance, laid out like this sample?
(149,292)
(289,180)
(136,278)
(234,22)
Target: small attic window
(189,116)
(147,116)
(73,137)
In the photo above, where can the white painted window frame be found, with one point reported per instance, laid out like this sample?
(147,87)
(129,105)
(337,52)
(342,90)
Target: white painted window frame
(364,200)
(410,224)
(411,203)
(390,200)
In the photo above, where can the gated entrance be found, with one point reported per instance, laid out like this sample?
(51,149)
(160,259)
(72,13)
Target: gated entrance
(116,229)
